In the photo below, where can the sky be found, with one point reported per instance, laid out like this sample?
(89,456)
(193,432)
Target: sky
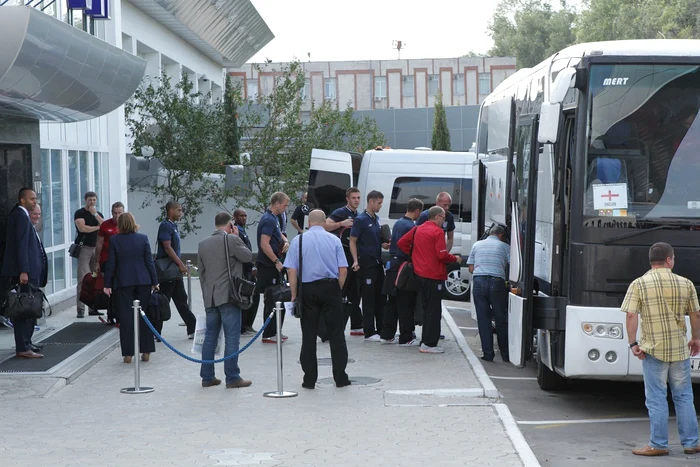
(364,29)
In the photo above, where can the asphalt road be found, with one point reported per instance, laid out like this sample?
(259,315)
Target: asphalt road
(588,423)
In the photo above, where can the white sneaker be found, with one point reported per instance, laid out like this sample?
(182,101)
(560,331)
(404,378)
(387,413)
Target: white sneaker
(411,343)
(373,338)
(425,349)
(393,340)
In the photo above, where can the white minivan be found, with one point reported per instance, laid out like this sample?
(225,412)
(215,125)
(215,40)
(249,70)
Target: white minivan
(401,174)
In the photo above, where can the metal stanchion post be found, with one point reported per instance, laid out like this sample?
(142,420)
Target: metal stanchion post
(189,284)
(137,389)
(279,309)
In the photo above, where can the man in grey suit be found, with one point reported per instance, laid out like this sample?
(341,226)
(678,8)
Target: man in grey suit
(213,277)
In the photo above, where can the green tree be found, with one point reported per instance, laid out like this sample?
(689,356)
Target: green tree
(183,131)
(531,30)
(279,138)
(232,99)
(603,20)
(441,133)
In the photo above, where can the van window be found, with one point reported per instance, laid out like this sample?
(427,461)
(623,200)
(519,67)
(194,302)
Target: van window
(327,190)
(426,189)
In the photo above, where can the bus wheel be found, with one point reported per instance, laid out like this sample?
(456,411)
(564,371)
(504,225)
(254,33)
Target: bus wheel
(457,286)
(547,379)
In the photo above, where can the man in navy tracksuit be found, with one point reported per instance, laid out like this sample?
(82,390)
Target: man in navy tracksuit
(400,303)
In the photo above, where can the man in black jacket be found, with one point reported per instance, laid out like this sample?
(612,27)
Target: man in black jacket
(25,263)
(240,217)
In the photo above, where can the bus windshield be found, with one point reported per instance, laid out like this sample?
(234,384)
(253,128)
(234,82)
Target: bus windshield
(643,145)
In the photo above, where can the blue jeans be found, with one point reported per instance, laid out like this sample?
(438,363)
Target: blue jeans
(490,299)
(230,317)
(677,374)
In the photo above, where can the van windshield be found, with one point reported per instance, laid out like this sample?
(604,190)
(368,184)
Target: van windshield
(643,150)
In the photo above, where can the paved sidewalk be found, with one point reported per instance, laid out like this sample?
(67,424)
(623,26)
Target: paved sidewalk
(425,410)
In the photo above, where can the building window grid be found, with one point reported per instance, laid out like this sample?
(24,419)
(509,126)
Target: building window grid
(433,85)
(484,84)
(252,89)
(408,86)
(329,89)
(380,87)
(459,84)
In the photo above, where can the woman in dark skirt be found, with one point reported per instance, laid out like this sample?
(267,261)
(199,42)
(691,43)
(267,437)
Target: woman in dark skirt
(130,275)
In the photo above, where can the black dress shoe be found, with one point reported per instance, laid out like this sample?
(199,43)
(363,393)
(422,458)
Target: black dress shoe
(308,386)
(343,384)
(487,359)
(35,348)
(95,313)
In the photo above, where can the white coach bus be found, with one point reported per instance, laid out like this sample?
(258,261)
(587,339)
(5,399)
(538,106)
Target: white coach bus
(588,159)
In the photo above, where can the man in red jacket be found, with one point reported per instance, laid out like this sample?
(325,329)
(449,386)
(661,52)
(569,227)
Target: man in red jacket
(430,256)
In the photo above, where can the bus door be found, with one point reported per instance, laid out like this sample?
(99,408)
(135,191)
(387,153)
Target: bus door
(522,197)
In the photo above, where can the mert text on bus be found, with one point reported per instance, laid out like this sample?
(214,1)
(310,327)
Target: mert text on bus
(588,159)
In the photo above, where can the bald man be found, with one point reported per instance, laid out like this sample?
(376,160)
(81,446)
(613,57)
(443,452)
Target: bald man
(323,273)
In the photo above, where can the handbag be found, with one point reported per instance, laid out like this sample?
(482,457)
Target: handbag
(166,269)
(74,249)
(158,307)
(406,278)
(27,304)
(298,302)
(240,290)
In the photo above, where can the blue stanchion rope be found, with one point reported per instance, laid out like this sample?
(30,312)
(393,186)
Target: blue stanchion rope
(194,360)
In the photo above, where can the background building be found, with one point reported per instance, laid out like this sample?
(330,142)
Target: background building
(388,84)
(57,77)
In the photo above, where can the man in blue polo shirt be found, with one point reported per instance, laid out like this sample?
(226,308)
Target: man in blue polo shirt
(271,246)
(400,303)
(366,250)
(340,224)
(169,247)
(488,263)
(444,200)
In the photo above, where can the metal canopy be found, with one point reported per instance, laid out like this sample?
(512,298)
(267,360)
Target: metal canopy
(50,70)
(229,32)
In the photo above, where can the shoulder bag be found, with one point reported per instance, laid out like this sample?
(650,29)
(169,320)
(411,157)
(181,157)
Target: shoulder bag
(76,246)
(406,278)
(298,302)
(25,301)
(166,269)
(240,290)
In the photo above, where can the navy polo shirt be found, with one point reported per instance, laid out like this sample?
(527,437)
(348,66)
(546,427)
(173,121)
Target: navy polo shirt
(269,225)
(448,225)
(167,232)
(340,215)
(401,228)
(369,236)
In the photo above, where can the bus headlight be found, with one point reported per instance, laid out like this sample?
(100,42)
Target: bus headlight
(593,354)
(610,357)
(604,330)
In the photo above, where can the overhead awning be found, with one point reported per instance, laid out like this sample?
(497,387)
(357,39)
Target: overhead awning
(229,32)
(50,70)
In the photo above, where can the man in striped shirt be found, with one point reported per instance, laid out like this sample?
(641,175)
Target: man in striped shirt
(488,263)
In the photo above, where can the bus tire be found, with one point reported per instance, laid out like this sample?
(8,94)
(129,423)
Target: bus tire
(547,379)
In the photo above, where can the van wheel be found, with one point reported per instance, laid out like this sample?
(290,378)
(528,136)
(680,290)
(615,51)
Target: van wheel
(456,286)
(547,379)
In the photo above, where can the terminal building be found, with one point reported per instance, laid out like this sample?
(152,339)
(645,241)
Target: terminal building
(67,68)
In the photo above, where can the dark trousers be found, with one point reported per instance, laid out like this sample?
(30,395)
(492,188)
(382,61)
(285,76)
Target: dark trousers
(24,330)
(175,291)
(250,314)
(431,298)
(125,298)
(322,301)
(112,313)
(400,308)
(372,281)
(267,277)
(351,298)
(490,299)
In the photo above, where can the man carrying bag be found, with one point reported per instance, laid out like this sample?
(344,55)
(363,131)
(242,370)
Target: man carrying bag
(322,278)
(25,264)
(220,259)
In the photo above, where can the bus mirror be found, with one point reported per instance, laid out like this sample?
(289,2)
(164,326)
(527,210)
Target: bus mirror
(550,116)
(563,82)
